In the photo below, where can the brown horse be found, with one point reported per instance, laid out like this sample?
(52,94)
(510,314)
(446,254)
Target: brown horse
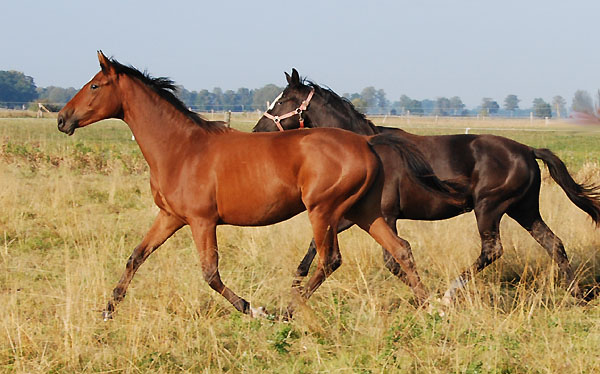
(501,177)
(203,174)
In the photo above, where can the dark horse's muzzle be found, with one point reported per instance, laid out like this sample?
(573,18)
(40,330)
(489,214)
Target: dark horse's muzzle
(66,123)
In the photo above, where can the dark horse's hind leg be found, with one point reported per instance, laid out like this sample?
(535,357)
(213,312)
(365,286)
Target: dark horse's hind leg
(304,266)
(488,223)
(163,227)
(533,223)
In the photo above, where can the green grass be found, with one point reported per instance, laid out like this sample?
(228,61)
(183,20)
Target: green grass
(73,209)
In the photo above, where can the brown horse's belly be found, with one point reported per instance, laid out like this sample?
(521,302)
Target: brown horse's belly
(261,210)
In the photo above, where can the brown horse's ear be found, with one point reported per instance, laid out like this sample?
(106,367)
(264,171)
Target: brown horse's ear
(287,77)
(105,63)
(295,79)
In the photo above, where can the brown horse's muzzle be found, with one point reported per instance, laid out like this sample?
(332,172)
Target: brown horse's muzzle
(67,123)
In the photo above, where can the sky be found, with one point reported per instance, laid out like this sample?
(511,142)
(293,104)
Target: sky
(421,48)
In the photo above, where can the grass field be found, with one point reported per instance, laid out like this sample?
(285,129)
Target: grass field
(73,208)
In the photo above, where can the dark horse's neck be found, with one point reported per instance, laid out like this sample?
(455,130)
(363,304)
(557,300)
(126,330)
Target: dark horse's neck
(161,128)
(338,112)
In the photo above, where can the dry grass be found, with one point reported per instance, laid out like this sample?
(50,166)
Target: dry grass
(74,208)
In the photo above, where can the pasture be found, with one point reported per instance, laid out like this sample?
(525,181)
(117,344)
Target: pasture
(73,208)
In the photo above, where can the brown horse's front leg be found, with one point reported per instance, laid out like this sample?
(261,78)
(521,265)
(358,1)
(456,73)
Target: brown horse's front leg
(163,227)
(205,237)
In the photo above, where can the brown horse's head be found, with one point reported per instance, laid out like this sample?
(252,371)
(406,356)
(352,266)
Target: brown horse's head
(97,100)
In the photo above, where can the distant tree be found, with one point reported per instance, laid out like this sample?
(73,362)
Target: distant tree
(245,98)
(582,102)
(203,101)
(188,97)
(404,103)
(264,94)
(382,102)
(511,103)
(360,104)
(218,98)
(560,105)
(427,106)
(488,106)
(456,105)
(369,96)
(351,96)
(541,108)
(416,107)
(16,87)
(442,106)
(55,95)
(230,101)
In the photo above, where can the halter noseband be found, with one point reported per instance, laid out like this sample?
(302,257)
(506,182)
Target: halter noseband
(303,106)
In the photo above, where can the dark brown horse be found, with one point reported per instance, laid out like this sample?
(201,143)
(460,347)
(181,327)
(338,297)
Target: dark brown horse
(203,174)
(501,176)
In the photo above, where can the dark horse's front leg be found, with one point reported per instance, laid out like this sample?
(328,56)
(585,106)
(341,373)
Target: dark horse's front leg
(304,266)
(163,227)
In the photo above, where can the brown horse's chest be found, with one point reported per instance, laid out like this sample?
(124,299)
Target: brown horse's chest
(161,200)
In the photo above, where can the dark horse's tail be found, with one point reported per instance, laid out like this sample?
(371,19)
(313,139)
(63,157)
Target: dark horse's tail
(585,196)
(419,169)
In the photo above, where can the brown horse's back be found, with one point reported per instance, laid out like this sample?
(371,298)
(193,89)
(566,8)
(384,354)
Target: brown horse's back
(266,178)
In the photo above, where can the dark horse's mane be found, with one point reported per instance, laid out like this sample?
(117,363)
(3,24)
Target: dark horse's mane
(341,104)
(166,89)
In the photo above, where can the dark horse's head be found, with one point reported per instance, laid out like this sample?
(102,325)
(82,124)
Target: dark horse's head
(98,99)
(290,110)
(309,105)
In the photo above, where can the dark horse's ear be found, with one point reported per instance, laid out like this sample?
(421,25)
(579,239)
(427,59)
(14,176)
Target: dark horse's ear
(294,80)
(105,63)
(287,77)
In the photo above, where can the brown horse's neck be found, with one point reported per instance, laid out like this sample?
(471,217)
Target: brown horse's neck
(160,129)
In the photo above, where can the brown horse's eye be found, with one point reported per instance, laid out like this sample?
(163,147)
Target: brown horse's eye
(94,86)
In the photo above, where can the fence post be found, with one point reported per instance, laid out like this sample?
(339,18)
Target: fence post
(228,119)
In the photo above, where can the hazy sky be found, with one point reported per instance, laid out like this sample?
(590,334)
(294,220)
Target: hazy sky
(421,48)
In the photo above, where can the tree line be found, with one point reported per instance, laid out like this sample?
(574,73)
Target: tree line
(18,90)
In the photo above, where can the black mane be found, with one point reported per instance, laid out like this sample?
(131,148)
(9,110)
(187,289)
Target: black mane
(166,89)
(341,104)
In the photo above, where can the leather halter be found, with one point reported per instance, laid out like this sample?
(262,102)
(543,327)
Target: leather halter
(303,106)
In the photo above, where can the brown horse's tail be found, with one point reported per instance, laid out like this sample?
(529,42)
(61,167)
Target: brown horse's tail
(585,196)
(419,169)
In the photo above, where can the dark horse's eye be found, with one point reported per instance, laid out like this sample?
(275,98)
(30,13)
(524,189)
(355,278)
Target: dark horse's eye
(94,86)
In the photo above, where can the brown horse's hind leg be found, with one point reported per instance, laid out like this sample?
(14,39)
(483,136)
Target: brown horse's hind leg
(205,237)
(367,215)
(401,252)
(535,225)
(388,260)
(330,257)
(163,227)
(304,266)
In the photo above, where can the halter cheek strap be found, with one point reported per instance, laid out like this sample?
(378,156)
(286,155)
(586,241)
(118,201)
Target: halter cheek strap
(303,106)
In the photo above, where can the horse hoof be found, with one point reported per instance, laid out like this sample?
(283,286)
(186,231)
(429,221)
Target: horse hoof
(446,301)
(106,315)
(259,312)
